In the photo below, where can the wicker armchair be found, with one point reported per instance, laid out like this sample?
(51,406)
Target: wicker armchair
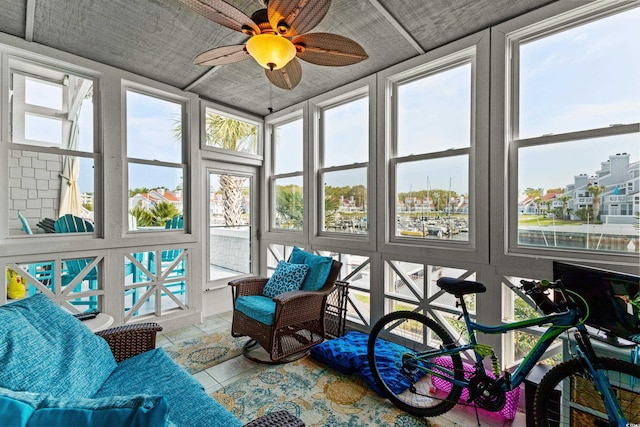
(298,321)
(129,340)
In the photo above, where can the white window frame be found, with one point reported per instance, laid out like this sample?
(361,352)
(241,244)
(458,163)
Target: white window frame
(507,38)
(220,154)
(291,114)
(364,88)
(184,150)
(473,49)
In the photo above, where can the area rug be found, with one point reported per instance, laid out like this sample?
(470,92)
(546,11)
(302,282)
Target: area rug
(202,352)
(315,393)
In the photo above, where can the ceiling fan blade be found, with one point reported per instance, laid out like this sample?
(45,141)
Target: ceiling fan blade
(222,13)
(329,49)
(299,16)
(286,77)
(222,55)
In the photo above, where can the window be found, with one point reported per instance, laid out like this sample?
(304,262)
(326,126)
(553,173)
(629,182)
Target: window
(287,187)
(343,171)
(566,105)
(156,168)
(51,156)
(230,133)
(431,151)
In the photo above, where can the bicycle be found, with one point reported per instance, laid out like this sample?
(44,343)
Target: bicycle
(419,352)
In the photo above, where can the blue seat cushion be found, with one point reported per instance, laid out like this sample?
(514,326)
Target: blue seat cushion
(286,278)
(348,354)
(319,268)
(39,409)
(46,350)
(257,307)
(155,373)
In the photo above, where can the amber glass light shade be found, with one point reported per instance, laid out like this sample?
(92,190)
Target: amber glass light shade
(271,51)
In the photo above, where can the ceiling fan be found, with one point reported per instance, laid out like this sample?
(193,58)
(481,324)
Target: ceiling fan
(278,34)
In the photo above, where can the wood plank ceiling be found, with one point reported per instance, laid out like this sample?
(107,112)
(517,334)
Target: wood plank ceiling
(160,38)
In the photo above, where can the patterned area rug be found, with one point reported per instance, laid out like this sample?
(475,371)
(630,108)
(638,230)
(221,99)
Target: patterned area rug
(202,352)
(318,395)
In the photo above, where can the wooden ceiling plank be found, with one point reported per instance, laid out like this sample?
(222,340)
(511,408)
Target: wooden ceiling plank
(397,26)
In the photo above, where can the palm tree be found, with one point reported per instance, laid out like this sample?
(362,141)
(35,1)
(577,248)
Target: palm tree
(564,199)
(230,134)
(596,191)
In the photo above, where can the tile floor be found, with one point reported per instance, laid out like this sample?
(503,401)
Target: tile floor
(235,369)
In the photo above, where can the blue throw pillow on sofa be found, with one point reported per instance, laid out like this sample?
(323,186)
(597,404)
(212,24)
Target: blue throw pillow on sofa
(287,277)
(319,268)
(40,410)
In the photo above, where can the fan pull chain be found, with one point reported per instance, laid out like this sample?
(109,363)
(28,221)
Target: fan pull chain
(270,99)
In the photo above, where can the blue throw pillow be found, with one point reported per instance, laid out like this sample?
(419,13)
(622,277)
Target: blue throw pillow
(287,277)
(319,268)
(38,410)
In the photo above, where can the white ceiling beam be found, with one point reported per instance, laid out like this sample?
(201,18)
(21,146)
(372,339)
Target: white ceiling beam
(200,79)
(30,19)
(398,27)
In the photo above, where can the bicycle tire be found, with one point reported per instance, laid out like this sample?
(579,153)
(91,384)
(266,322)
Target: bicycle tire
(412,392)
(570,412)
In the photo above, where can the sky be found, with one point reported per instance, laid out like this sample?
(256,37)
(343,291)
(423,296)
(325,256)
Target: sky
(582,78)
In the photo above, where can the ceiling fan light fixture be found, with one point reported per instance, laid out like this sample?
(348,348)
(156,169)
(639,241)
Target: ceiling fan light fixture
(271,51)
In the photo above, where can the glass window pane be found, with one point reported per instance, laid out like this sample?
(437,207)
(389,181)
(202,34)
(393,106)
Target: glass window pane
(155,196)
(432,199)
(345,130)
(289,204)
(408,283)
(43,94)
(39,189)
(345,201)
(434,112)
(584,204)
(229,226)
(154,128)
(43,129)
(230,134)
(565,87)
(287,147)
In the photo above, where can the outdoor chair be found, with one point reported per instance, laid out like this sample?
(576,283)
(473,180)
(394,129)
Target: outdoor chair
(76,267)
(25,225)
(286,325)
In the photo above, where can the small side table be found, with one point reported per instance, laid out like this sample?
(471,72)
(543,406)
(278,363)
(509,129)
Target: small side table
(101,322)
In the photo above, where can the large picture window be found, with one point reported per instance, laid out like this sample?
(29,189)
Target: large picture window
(574,147)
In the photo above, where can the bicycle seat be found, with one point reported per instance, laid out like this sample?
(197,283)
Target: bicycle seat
(459,287)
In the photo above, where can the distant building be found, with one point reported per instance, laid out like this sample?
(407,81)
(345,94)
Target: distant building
(619,201)
(150,199)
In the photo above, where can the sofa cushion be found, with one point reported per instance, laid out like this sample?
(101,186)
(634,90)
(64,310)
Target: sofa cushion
(319,268)
(286,278)
(20,412)
(154,373)
(46,350)
(348,354)
(257,307)
(39,410)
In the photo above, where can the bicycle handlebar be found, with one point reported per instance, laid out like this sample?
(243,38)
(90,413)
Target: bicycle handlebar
(537,291)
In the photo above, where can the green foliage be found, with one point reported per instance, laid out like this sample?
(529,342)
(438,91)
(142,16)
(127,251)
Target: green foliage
(157,216)
(230,134)
(289,206)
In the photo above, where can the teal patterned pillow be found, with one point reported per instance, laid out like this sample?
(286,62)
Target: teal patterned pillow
(287,277)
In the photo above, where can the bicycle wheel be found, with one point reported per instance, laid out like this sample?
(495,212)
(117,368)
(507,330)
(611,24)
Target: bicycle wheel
(579,403)
(402,375)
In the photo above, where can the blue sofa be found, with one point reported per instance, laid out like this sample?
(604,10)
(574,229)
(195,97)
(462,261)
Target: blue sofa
(55,371)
